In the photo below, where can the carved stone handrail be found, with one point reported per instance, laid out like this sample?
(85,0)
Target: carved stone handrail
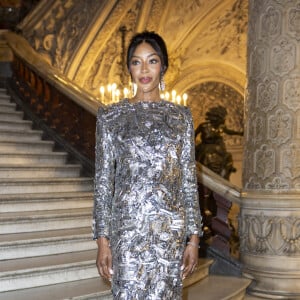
(219,185)
(24,51)
(216,224)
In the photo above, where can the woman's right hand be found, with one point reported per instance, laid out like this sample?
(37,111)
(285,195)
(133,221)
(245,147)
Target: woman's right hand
(104,258)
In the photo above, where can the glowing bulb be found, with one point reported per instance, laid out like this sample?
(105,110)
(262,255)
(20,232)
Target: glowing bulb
(125,92)
(185,97)
(102,89)
(167,96)
(173,95)
(114,86)
(117,95)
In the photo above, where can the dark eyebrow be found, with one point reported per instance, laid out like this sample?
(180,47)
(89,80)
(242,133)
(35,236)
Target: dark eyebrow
(151,54)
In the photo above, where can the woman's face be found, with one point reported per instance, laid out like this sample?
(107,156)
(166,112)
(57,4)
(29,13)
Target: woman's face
(145,68)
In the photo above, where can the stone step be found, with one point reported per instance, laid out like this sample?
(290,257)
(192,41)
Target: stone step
(4,98)
(45,270)
(216,287)
(93,288)
(45,185)
(16,125)
(7,107)
(20,135)
(201,271)
(25,236)
(87,289)
(51,158)
(33,221)
(39,171)
(3,92)
(14,246)
(42,201)
(9,116)
(26,147)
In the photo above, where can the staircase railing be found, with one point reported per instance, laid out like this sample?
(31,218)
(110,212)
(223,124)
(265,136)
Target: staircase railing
(218,226)
(62,105)
(71,112)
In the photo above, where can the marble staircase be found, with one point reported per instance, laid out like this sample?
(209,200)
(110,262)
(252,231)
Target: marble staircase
(46,247)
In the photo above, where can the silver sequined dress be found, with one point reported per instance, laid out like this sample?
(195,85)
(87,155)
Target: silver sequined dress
(146,199)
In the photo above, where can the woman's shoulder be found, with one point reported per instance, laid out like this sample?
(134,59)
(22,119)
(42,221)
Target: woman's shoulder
(112,111)
(183,111)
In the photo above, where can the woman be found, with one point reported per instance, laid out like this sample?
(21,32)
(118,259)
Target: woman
(146,199)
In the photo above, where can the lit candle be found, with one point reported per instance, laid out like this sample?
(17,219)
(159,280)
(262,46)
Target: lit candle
(109,91)
(102,93)
(167,96)
(125,92)
(113,92)
(178,99)
(184,97)
(117,95)
(173,95)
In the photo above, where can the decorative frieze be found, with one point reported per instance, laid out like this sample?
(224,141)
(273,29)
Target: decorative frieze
(283,57)
(290,156)
(257,129)
(270,235)
(267,95)
(264,163)
(279,127)
(293,22)
(291,93)
(271,23)
(58,35)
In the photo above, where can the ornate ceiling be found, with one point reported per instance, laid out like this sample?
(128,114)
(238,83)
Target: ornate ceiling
(206,41)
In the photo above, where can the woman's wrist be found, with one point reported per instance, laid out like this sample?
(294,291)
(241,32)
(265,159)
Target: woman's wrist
(193,244)
(103,240)
(194,240)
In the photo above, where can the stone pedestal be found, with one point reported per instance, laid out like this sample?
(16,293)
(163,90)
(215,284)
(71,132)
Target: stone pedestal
(270,243)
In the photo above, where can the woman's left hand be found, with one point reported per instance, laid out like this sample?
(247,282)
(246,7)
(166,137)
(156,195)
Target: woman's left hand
(190,258)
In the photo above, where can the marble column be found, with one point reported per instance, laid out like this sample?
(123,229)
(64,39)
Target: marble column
(270,209)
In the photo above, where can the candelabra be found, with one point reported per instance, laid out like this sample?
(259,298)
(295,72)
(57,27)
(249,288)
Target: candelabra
(112,94)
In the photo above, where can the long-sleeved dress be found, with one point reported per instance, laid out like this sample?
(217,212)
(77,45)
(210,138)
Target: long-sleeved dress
(146,198)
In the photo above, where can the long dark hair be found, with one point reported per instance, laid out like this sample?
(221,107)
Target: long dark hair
(156,42)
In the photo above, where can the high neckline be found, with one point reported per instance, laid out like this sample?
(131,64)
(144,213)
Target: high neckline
(144,101)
